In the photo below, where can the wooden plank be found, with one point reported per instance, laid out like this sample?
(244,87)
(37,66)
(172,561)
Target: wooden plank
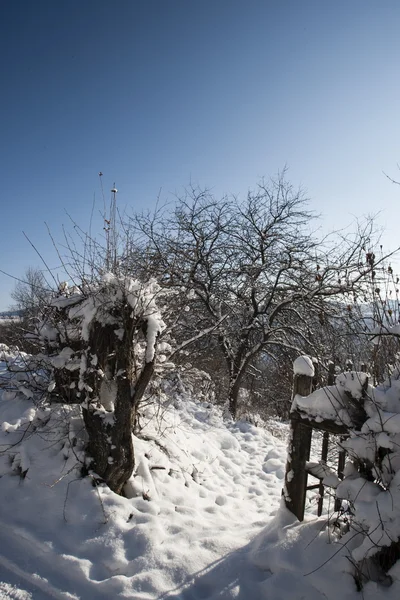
(313,487)
(341,464)
(324,456)
(326,425)
(325,444)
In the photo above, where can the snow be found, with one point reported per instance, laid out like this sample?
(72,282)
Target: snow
(353,382)
(108,393)
(324,403)
(383,330)
(201,518)
(155,326)
(196,477)
(62,358)
(331,402)
(48,333)
(96,303)
(301,561)
(324,473)
(303,365)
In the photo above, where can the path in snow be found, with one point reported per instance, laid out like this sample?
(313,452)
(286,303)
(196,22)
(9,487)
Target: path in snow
(204,487)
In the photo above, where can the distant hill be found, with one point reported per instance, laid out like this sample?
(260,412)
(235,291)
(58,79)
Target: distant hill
(10,314)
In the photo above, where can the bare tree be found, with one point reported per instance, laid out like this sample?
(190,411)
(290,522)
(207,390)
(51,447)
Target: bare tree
(31,292)
(253,269)
(30,295)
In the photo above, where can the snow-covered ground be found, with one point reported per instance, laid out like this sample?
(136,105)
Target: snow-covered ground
(203,520)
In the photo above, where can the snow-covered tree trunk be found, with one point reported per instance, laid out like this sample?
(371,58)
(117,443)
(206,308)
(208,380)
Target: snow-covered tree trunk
(106,338)
(119,385)
(110,434)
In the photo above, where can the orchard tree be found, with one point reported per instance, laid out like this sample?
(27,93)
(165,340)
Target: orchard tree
(253,269)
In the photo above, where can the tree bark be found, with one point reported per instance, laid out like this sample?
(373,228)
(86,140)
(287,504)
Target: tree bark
(110,433)
(234,388)
(110,444)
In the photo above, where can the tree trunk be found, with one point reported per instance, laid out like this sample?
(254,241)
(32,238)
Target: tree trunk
(110,444)
(110,433)
(234,389)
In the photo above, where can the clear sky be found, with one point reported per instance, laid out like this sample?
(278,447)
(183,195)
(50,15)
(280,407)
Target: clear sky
(157,93)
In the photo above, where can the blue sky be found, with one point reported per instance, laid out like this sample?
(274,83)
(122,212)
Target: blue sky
(157,93)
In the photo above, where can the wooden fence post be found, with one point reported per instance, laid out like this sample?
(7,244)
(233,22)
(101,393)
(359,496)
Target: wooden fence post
(295,488)
(325,444)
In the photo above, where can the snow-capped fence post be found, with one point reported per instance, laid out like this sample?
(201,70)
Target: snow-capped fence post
(299,442)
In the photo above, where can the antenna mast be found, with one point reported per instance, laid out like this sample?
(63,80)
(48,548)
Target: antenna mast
(112,238)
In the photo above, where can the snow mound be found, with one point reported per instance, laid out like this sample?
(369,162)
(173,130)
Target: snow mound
(303,365)
(299,561)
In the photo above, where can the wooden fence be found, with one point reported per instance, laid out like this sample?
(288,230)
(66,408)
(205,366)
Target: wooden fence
(301,428)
